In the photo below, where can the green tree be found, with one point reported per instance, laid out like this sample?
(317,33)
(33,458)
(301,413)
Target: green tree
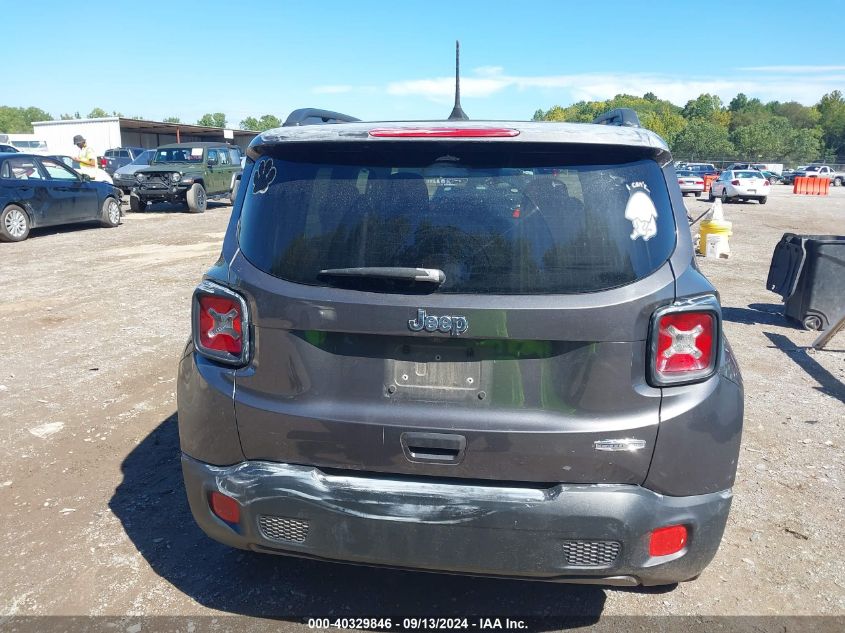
(266,122)
(702,139)
(19,120)
(738,103)
(705,106)
(832,122)
(218,119)
(172,119)
(799,116)
(97,113)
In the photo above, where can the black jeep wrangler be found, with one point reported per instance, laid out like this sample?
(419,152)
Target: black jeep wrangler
(189,173)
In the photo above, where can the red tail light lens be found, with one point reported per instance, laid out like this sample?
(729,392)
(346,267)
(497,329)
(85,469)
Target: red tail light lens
(734,182)
(444,132)
(685,343)
(220,324)
(765,183)
(667,540)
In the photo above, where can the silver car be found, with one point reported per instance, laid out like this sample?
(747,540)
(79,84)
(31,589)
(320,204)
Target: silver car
(124,177)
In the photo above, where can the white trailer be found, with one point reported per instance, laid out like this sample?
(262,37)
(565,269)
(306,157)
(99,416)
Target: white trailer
(100,134)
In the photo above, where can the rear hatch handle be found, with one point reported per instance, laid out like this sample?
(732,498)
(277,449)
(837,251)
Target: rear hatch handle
(437,448)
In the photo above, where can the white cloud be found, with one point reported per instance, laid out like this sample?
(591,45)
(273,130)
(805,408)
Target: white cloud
(489,81)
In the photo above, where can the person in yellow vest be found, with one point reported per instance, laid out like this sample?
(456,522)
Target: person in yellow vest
(84,156)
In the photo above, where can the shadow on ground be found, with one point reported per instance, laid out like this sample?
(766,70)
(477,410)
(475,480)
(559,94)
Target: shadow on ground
(159,208)
(151,504)
(829,384)
(762,313)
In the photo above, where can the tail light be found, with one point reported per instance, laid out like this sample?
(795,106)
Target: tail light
(699,182)
(685,342)
(765,183)
(102,161)
(734,182)
(220,324)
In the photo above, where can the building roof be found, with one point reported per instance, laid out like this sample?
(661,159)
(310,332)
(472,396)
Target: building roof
(156,127)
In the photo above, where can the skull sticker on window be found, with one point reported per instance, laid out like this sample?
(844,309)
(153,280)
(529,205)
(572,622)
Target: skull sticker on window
(641,211)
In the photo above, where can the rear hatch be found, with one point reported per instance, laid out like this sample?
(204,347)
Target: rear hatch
(526,364)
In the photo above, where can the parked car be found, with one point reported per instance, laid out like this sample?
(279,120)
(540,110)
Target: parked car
(393,367)
(744,185)
(702,169)
(825,171)
(124,177)
(187,173)
(38,191)
(771,176)
(690,182)
(114,159)
(96,173)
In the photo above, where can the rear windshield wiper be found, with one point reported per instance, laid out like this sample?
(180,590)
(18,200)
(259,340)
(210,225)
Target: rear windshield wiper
(387,273)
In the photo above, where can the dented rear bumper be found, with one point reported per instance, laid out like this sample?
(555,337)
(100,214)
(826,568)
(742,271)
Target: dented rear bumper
(566,533)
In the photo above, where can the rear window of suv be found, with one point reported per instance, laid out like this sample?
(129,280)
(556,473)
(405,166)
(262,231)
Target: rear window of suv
(511,218)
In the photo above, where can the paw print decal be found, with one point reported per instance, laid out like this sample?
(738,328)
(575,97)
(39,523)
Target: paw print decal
(265,174)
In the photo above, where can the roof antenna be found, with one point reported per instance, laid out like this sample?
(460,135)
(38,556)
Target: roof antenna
(457,113)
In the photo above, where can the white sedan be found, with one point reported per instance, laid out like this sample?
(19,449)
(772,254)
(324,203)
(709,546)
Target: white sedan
(690,182)
(740,184)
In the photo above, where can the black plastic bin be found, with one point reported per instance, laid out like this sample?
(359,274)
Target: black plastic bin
(808,271)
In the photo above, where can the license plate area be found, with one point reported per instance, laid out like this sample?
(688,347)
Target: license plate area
(433,373)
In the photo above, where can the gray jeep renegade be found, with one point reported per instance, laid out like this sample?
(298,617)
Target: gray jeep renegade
(479,348)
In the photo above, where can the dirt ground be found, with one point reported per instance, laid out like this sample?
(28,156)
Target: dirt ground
(94,518)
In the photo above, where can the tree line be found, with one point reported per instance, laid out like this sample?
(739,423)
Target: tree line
(705,128)
(19,120)
(744,129)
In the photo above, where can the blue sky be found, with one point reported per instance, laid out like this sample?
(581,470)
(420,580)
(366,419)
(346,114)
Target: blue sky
(395,60)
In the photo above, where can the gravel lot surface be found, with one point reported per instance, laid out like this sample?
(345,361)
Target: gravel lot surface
(94,517)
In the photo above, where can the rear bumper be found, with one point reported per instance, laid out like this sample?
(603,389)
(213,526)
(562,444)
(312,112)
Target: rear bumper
(566,533)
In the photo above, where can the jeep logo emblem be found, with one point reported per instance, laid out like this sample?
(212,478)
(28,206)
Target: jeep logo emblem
(454,325)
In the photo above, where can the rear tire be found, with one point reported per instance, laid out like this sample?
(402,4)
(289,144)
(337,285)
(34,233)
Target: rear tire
(710,196)
(763,200)
(110,213)
(725,196)
(136,205)
(837,182)
(196,198)
(14,224)
(773,180)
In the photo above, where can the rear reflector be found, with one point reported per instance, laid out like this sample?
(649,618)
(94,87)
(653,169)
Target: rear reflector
(667,540)
(444,132)
(224,507)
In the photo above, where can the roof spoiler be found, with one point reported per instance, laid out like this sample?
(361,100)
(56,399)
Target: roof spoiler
(313,116)
(625,117)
